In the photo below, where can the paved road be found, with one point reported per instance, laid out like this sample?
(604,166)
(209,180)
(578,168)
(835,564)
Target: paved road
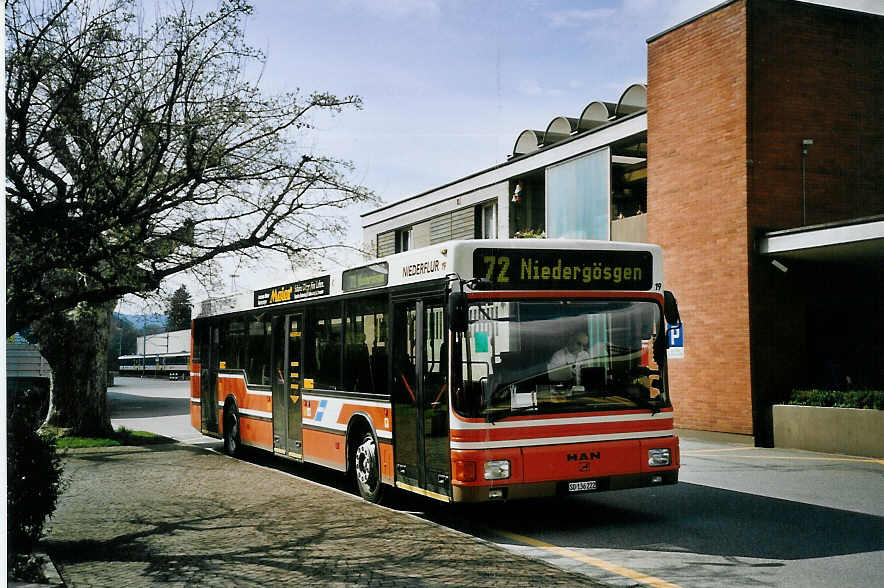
(741,516)
(155,405)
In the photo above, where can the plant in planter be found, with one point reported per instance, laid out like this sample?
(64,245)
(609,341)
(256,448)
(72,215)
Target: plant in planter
(838,398)
(530,233)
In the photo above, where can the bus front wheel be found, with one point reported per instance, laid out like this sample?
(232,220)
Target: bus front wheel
(368,469)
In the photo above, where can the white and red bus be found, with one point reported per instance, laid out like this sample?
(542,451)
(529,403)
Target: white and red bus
(466,371)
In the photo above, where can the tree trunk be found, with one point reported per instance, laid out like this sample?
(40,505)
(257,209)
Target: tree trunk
(75,346)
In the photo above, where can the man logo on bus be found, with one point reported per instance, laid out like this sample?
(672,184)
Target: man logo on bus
(584,456)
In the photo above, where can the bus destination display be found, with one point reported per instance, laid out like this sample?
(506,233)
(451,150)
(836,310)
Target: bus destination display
(370,276)
(564,269)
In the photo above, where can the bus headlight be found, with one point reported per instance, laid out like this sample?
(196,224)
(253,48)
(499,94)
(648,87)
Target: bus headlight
(659,457)
(497,470)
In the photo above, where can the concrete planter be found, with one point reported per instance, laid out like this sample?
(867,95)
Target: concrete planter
(849,431)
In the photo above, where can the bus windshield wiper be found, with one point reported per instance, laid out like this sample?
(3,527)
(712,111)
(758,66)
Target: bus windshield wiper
(644,400)
(643,396)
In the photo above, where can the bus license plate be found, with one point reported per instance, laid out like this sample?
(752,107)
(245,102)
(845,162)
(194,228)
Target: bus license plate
(584,486)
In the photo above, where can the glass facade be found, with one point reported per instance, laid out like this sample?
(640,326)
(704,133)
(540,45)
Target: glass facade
(578,197)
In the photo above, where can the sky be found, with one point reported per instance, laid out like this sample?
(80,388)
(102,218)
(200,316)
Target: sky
(448,85)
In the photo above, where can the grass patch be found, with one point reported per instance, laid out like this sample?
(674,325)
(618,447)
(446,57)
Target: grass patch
(74,442)
(121,436)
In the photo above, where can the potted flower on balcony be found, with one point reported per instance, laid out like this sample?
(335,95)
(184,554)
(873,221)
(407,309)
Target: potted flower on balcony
(530,233)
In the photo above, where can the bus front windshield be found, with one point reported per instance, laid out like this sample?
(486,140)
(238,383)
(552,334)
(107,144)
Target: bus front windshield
(531,357)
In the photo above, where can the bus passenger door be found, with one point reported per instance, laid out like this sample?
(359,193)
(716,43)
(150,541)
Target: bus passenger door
(405,393)
(278,336)
(420,396)
(209,379)
(434,392)
(287,385)
(295,323)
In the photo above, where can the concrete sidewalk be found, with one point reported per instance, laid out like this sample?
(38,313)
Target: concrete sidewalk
(180,515)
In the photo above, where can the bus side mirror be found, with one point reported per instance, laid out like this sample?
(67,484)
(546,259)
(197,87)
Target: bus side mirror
(670,308)
(457,311)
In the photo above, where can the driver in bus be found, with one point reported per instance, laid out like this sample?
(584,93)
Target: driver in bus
(565,364)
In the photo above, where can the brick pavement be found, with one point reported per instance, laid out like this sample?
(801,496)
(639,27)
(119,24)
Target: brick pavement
(178,515)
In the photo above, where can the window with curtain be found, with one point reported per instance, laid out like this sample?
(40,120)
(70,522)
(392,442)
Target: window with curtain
(486,221)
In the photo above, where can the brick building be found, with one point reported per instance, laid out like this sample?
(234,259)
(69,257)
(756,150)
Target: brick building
(754,157)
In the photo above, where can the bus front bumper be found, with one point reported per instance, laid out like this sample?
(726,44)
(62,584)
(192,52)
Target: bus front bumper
(520,491)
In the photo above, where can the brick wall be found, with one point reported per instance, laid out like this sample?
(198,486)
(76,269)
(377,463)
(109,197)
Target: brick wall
(731,95)
(815,73)
(697,198)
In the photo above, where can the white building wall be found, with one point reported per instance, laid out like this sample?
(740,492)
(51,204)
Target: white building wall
(170,342)
(491,184)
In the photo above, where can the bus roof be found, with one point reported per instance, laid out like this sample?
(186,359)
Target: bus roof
(531,261)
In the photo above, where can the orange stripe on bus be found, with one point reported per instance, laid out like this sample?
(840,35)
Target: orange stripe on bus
(255,432)
(375,412)
(327,448)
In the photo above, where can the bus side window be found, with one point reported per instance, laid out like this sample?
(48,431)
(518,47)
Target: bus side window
(365,329)
(322,360)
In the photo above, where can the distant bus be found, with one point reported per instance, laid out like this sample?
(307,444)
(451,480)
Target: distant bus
(171,365)
(467,371)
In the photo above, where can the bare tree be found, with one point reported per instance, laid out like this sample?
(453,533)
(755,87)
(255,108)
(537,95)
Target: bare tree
(136,152)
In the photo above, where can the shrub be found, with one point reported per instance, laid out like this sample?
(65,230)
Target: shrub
(33,481)
(839,398)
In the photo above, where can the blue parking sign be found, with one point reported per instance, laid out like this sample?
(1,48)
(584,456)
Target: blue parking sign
(676,341)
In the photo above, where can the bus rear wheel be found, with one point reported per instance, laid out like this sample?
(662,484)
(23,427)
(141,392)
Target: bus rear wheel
(368,470)
(231,432)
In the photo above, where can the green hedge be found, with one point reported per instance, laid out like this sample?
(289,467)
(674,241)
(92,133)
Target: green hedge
(839,398)
(34,483)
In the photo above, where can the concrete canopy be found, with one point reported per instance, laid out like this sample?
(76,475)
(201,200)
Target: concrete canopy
(860,241)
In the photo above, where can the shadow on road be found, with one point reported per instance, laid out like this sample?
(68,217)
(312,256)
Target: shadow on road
(685,517)
(130,406)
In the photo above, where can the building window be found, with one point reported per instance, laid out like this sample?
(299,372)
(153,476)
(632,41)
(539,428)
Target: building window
(403,240)
(578,197)
(486,221)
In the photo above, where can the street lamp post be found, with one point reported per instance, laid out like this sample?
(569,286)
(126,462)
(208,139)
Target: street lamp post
(805,143)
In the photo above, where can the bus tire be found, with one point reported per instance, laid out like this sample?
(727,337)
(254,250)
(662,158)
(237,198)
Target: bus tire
(367,469)
(231,431)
